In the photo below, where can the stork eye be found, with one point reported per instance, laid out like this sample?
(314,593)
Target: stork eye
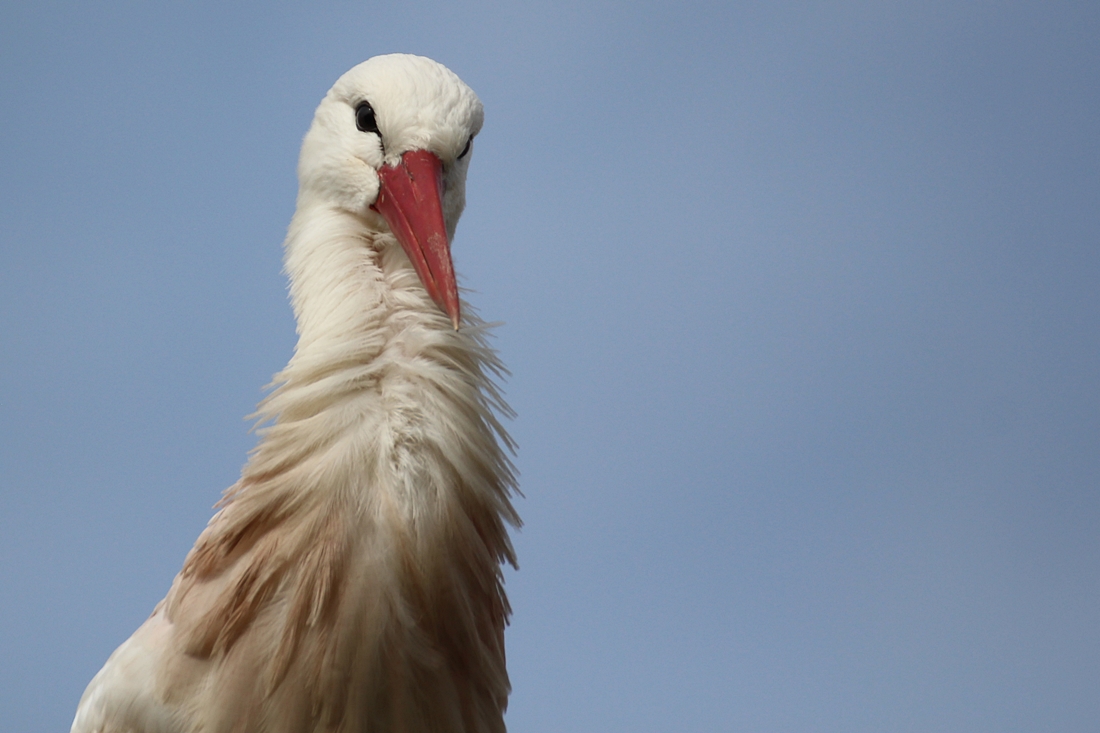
(364,118)
(466,149)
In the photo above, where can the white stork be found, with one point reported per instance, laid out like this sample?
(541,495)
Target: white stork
(351,579)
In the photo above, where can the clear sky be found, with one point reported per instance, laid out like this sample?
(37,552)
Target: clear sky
(801,301)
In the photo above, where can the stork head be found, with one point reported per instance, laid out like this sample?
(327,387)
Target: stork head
(391,143)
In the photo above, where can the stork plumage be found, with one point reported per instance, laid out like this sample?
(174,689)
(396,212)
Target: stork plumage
(351,578)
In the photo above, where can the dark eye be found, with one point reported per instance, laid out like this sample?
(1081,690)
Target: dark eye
(466,149)
(364,118)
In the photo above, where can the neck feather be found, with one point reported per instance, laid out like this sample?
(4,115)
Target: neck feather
(380,388)
(381,479)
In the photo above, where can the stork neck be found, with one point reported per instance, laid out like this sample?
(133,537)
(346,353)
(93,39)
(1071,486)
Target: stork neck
(378,374)
(347,279)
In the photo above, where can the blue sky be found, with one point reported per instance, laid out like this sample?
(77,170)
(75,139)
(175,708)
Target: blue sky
(800,300)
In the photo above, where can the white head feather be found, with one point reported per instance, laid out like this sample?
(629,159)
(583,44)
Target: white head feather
(419,105)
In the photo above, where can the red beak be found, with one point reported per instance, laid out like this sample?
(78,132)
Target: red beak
(410,201)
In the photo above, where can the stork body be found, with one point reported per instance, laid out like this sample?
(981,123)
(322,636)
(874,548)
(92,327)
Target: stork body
(351,580)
